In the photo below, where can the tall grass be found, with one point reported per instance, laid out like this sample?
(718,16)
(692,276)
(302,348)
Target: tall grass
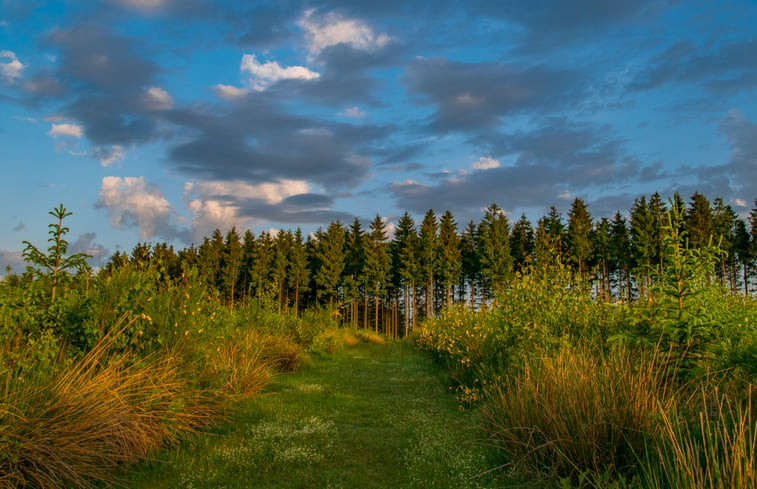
(714,449)
(577,411)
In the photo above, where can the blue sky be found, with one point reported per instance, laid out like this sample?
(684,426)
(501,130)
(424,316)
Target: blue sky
(160,120)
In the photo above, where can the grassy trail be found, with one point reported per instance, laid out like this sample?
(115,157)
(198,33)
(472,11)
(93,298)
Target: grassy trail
(369,416)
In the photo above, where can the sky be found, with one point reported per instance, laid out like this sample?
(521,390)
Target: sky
(161,120)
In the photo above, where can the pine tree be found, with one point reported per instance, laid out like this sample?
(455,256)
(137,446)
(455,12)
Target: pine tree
(55,264)
(405,261)
(428,257)
(450,261)
(579,228)
(643,235)
(377,263)
(659,211)
(331,254)
(600,246)
(698,221)
(231,262)
(620,255)
(471,259)
(355,266)
(494,247)
(280,265)
(522,243)
(742,251)
(248,256)
(298,267)
(260,272)
(209,259)
(723,223)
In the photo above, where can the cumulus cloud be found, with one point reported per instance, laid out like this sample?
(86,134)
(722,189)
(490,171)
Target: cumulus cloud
(143,4)
(485,163)
(66,129)
(265,74)
(323,31)
(10,69)
(134,202)
(229,92)
(86,243)
(353,112)
(158,99)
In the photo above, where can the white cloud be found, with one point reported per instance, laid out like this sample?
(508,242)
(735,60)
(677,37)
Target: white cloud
(158,99)
(66,129)
(107,156)
(353,112)
(10,70)
(565,195)
(485,163)
(229,92)
(214,202)
(405,183)
(132,201)
(266,74)
(332,29)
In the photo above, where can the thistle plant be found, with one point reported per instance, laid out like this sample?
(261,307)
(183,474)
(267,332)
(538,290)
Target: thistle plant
(55,264)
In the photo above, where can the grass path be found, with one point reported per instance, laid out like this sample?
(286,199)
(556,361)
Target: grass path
(369,416)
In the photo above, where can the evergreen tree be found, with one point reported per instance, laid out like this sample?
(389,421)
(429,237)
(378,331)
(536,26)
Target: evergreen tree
(450,261)
(494,247)
(579,228)
(658,211)
(428,257)
(248,256)
(298,267)
(742,251)
(405,261)
(377,263)
(471,272)
(620,254)
(231,262)
(260,272)
(331,255)
(723,228)
(600,246)
(355,266)
(209,259)
(698,221)
(522,243)
(280,265)
(643,236)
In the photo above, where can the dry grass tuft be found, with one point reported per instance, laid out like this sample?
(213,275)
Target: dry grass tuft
(576,412)
(368,336)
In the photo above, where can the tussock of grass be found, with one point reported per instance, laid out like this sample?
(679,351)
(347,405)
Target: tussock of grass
(716,451)
(101,413)
(282,352)
(576,412)
(237,367)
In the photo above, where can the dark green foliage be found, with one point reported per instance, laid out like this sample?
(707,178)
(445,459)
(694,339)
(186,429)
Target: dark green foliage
(522,243)
(450,264)
(428,257)
(330,251)
(494,247)
(578,235)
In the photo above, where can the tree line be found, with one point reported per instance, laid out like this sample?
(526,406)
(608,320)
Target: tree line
(389,284)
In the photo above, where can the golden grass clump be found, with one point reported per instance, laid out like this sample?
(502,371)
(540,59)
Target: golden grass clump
(576,411)
(713,449)
(97,415)
(237,366)
(282,352)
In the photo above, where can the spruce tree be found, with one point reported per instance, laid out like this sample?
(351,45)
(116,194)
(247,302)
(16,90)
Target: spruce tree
(330,250)
(450,261)
(298,267)
(643,235)
(579,228)
(522,243)
(494,246)
(231,262)
(600,247)
(471,259)
(354,267)
(698,221)
(620,255)
(377,263)
(428,256)
(405,262)
(742,251)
